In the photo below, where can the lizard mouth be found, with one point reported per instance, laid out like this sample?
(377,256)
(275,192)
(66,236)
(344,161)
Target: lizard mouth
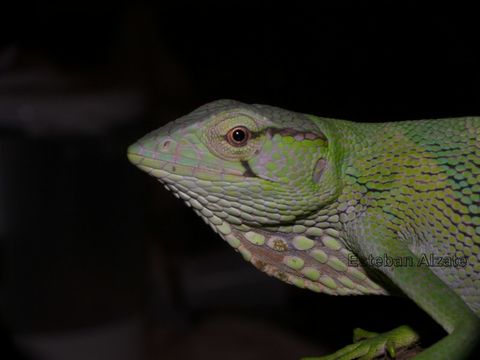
(163,166)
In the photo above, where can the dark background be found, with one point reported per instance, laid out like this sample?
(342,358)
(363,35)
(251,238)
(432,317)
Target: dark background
(98,260)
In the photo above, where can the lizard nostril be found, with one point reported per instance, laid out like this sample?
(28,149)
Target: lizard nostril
(166,145)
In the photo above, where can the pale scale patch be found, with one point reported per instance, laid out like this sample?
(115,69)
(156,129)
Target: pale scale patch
(302,268)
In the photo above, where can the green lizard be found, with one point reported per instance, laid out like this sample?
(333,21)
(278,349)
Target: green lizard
(339,207)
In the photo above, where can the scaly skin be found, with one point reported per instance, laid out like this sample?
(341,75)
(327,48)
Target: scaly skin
(338,207)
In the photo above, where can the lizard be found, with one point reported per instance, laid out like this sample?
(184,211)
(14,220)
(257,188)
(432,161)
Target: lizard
(339,207)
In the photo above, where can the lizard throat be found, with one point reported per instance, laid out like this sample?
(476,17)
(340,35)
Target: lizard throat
(307,257)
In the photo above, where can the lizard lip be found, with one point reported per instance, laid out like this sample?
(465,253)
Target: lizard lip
(134,158)
(162,165)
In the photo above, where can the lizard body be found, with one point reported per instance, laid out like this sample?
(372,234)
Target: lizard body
(338,207)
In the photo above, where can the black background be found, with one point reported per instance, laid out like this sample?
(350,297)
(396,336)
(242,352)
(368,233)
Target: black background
(87,239)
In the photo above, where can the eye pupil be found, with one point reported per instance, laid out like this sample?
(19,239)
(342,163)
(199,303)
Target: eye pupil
(238,136)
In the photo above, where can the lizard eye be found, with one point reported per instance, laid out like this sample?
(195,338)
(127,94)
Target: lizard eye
(232,136)
(238,136)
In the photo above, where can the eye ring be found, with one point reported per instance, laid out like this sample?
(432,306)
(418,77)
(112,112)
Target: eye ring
(238,136)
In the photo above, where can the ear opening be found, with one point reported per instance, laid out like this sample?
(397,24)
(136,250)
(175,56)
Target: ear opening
(320,167)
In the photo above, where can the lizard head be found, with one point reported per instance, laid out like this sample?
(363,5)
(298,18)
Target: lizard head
(262,178)
(248,164)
